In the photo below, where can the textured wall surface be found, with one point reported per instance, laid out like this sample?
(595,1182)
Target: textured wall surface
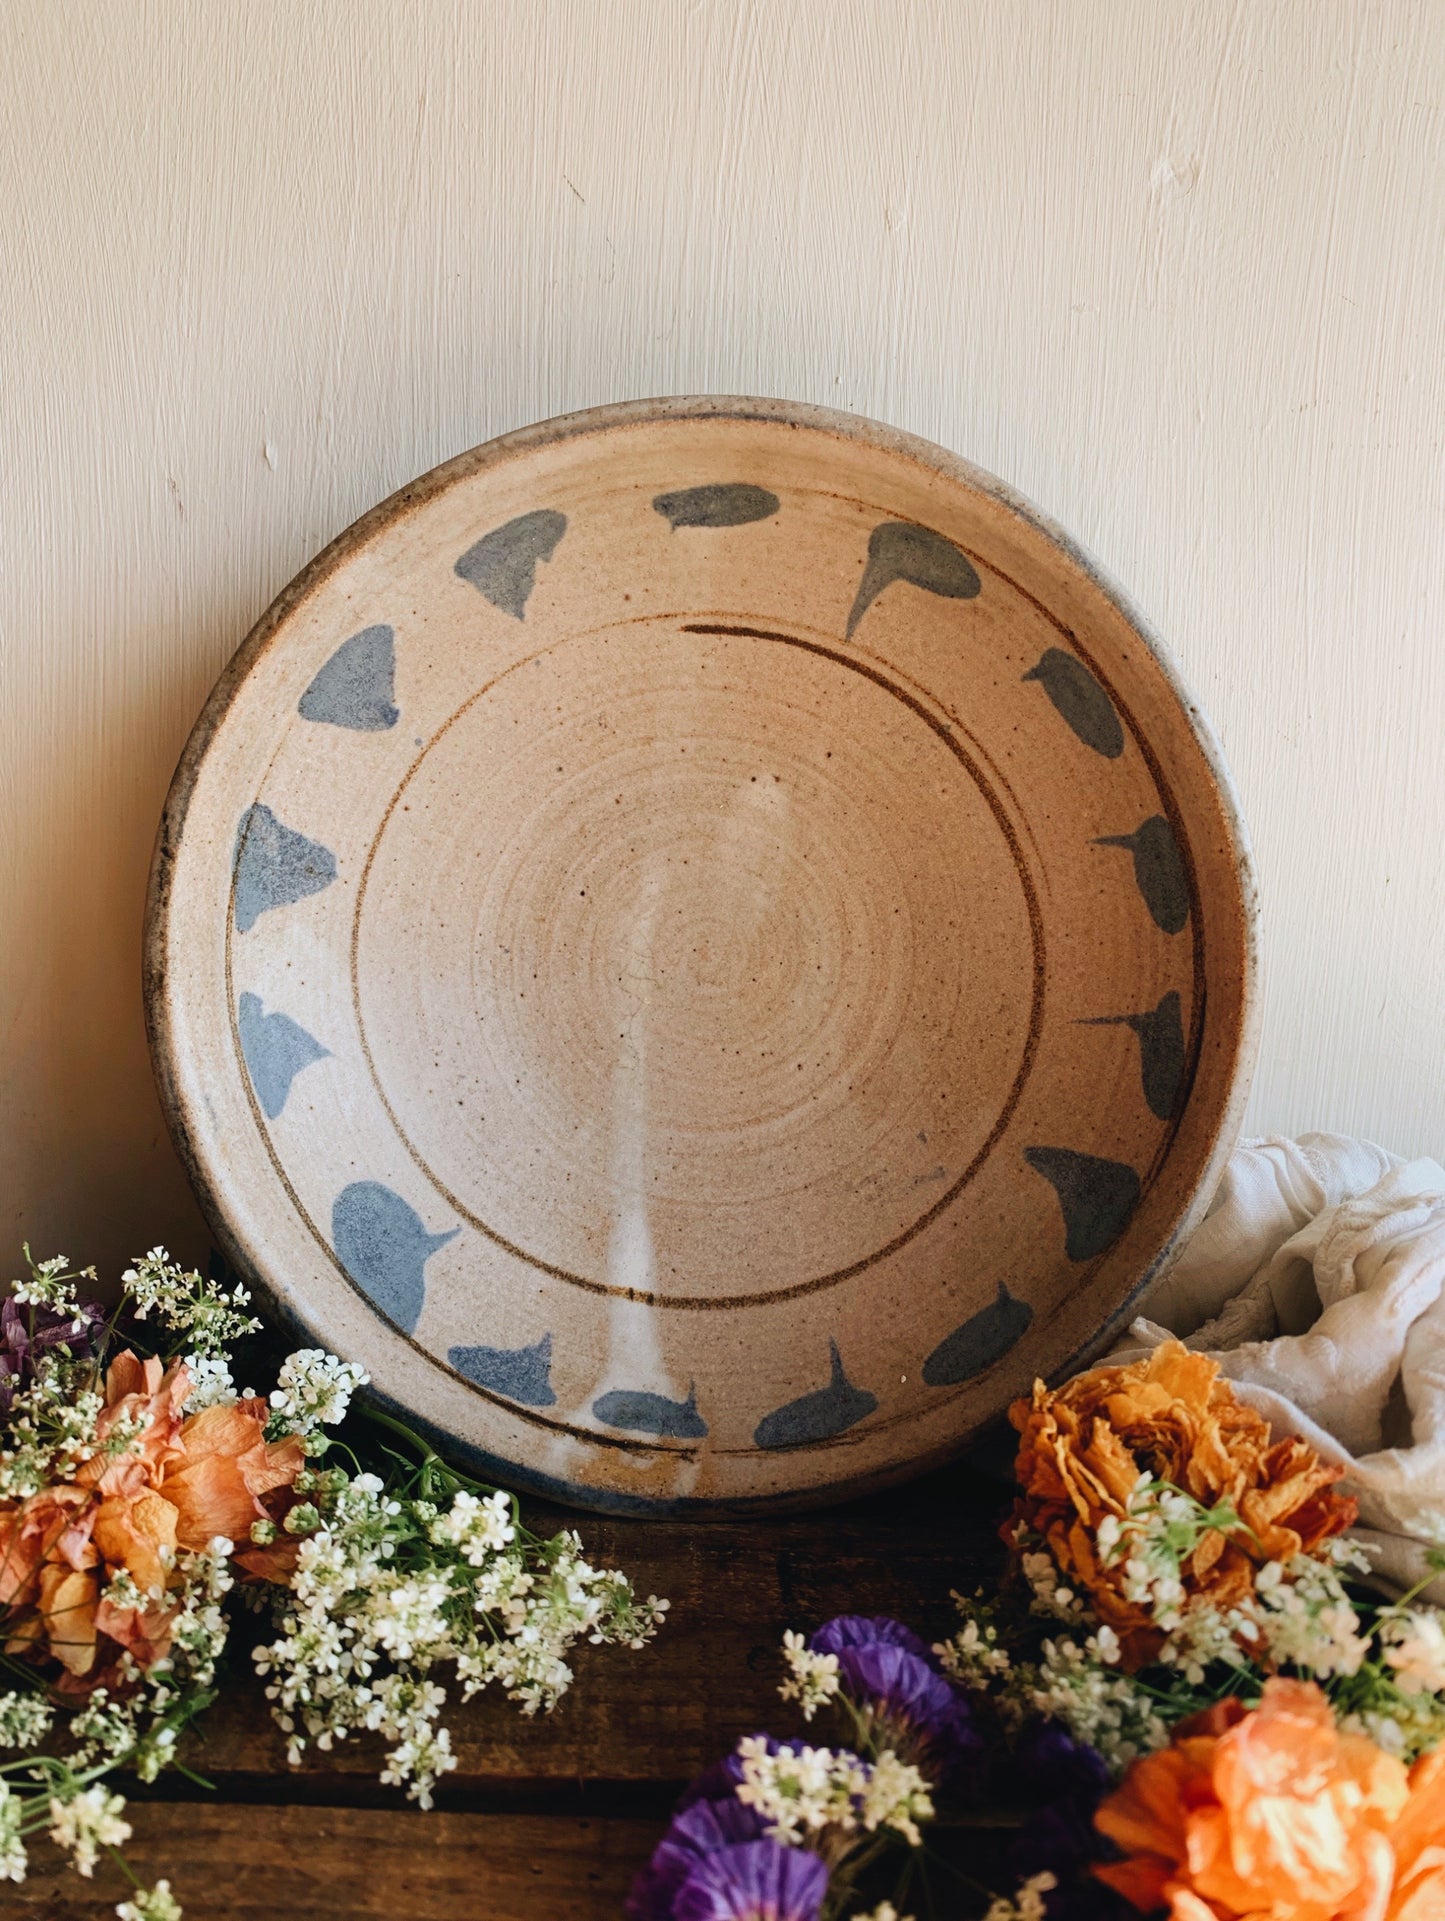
(1173,268)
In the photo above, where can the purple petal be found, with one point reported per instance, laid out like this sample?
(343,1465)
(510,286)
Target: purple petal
(930,1714)
(1051,1763)
(754,1881)
(868,1630)
(699,1829)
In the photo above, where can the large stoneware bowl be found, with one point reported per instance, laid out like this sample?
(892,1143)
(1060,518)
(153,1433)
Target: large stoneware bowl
(706,947)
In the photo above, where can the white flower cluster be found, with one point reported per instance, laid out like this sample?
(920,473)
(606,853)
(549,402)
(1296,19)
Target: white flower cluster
(813,1678)
(187,1303)
(1028,1902)
(314,1389)
(800,1792)
(13,1860)
(1305,1620)
(140,1725)
(211,1383)
(1051,1596)
(25,1720)
(159,1904)
(85,1820)
(973,1657)
(360,1632)
(1414,1640)
(50,1284)
(49,1431)
(885,1911)
(1080,1687)
(478,1529)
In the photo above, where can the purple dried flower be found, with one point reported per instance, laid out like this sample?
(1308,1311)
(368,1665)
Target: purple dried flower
(927,1716)
(869,1630)
(700,1828)
(28,1332)
(1067,1779)
(1053,1763)
(753,1881)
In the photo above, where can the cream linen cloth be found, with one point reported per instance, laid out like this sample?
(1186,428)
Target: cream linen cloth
(1317,1280)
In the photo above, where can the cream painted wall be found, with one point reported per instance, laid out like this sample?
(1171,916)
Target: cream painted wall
(1174,268)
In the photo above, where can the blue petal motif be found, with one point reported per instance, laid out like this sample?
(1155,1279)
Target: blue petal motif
(521,1373)
(384,1246)
(275,1050)
(817,1416)
(355,688)
(273,866)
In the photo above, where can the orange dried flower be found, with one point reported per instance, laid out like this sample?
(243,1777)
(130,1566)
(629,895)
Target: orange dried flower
(1276,1813)
(1083,1447)
(179,1483)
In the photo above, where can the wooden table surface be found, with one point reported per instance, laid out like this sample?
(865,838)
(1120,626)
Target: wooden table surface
(547,1819)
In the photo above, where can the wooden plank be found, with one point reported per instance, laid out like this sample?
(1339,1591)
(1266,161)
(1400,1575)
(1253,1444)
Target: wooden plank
(322,1864)
(662,1714)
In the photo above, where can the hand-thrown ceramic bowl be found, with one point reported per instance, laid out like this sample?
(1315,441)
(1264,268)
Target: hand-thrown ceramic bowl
(706,947)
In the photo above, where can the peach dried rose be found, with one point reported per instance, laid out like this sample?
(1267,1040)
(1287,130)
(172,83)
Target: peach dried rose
(1083,1447)
(1275,1812)
(177,1483)
(226,1466)
(67,1610)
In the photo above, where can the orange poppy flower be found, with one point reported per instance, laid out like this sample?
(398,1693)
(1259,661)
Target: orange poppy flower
(1276,1813)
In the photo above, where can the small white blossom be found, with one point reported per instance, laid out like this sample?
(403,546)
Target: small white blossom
(49,1284)
(896,1796)
(1097,1704)
(1027,1903)
(157,1905)
(314,1389)
(799,1792)
(211,1383)
(478,1529)
(13,1861)
(1415,1648)
(813,1677)
(25,1720)
(187,1303)
(84,1822)
(1051,1596)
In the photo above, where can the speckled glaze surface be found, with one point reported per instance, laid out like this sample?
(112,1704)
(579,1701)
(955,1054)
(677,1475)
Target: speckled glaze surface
(704,945)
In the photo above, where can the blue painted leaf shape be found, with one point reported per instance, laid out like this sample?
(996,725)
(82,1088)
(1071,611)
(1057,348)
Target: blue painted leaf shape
(1081,701)
(643,1413)
(820,1415)
(274,866)
(1096,1197)
(384,1245)
(357,686)
(275,1049)
(901,550)
(982,1339)
(520,1373)
(502,565)
(1161,1051)
(1158,870)
(721,504)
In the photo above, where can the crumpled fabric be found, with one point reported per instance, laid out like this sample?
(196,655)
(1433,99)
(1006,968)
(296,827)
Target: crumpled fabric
(1317,1280)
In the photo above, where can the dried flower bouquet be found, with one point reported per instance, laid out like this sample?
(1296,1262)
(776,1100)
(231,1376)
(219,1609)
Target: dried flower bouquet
(1204,1709)
(141,1492)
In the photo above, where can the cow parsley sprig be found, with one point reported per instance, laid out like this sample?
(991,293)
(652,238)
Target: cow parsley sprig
(186,1303)
(395,1584)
